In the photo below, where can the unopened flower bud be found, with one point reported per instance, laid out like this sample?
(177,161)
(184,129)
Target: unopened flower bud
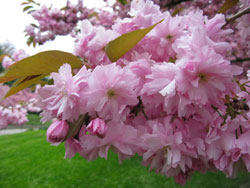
(97,127)
(57,132)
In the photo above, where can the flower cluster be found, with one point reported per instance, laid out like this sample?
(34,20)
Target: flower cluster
(17,56)
(53,21)
(14,109)
(10,111)
(172,99)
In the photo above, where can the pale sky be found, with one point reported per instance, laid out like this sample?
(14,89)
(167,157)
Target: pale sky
(13,22)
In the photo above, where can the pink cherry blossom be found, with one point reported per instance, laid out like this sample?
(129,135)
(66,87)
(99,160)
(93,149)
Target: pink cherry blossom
(97,127)
(63,102)
(57,132)
(111,88)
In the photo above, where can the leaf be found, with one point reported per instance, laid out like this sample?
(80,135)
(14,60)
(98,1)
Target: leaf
(42,63)
(228,5)
(31,69)
(27,8)
(34,25)
(6,79)
(177,11)
(30,41)
(117,48)
(25,3)
(31,1)
(123,2)
(30,11)
(75,127)
(26,82)
(64,8)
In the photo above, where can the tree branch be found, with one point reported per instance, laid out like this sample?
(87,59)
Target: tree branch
(174,3)
(237,15)
(240,60)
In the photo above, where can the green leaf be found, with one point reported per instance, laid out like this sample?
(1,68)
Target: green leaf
(27,8)
(228,5)
(25,3)
(25,82)
(30,41)
(123,2)
(34,25)
(31,1)
(30,11)
(64,8)
(177,11)
(117,48)
(31,69)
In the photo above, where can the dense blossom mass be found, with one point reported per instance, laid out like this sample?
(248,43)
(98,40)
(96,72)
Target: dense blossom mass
(52,21)
(174,99)
(14,109)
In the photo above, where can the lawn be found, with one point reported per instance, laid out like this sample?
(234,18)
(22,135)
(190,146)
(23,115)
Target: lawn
(28,161)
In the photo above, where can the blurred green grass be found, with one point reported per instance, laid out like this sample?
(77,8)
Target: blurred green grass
(28,161)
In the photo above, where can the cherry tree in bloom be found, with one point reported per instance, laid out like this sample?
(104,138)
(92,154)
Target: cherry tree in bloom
(175,99)
(178,97)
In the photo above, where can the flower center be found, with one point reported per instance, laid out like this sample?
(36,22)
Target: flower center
(111,93)
(169,37)
(203,77)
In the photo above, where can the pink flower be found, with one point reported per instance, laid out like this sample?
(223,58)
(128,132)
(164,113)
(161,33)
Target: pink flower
(120,137)
(161,80)
(111,89)
(92,42)
(19,55)
(7,62)
(97,127)
(205,77)
(63,98)
(72,146)
(165,148)
(57,132)
(214,27)
(145,13)
(168,31)
(3,119)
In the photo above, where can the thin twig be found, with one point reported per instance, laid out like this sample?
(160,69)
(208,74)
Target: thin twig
(236,16)
(174,3)
(240,60)
(145,115)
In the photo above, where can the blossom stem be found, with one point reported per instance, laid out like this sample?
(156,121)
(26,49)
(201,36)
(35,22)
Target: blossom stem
(241,132)
(216,109)
(145,115)
(236,134)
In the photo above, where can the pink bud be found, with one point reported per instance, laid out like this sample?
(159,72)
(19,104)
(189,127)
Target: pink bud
(97,127)
(236,153)
(57,132)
